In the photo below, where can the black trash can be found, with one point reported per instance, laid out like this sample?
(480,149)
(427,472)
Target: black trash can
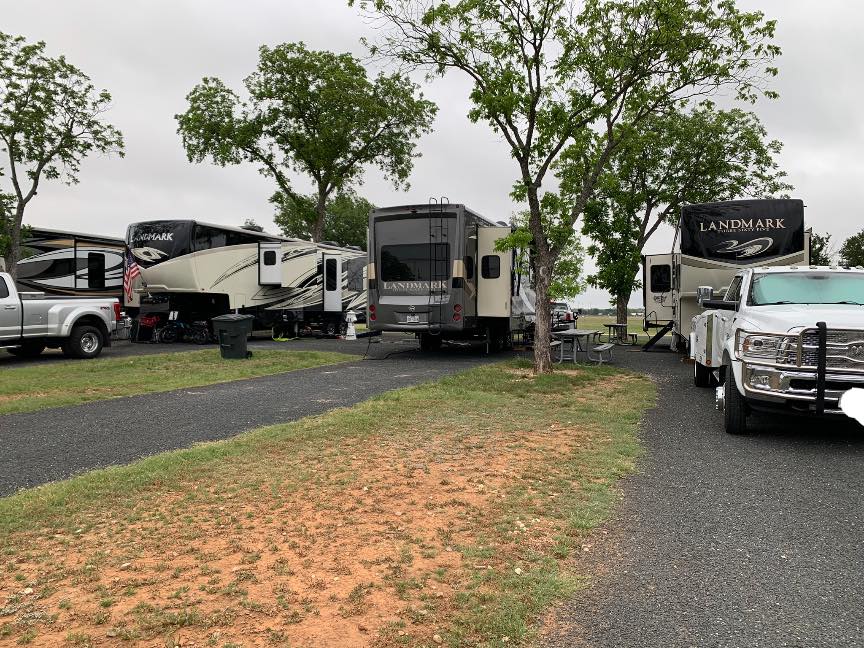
(233,332)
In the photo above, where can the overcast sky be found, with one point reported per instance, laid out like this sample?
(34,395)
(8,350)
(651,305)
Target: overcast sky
(149,54)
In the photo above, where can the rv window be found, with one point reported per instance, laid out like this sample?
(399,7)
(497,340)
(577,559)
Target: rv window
(330,274)
(96,270)
(661,278)
(415,262)
(469,267)
(4,291)
(269,257)
(490,266)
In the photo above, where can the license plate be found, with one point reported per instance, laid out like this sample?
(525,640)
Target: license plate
(413,319)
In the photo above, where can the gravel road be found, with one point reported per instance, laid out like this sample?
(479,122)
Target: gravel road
(722,541)
(43,446)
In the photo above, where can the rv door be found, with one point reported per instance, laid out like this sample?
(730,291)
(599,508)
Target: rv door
(332,269)
(269,264)
(493,281)
(658,289)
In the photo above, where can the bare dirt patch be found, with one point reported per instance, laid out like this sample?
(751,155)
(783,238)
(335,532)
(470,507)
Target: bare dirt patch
(362,541)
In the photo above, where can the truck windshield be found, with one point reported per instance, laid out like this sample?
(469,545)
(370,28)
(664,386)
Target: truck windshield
(807,288)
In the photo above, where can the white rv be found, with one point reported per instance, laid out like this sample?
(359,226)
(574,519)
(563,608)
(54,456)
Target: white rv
(713,242)
(200,270)
(71,264)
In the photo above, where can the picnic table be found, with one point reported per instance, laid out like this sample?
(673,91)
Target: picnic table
(574,337)
(619,333)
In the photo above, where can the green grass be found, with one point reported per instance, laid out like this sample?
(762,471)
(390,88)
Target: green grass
(598,322)
(567,493)
(44,385)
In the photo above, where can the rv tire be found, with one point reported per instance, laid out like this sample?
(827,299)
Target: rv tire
(84,342)
(735,407)
(702,375)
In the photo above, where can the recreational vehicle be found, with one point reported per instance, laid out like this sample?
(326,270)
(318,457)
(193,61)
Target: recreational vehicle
(713,242)
(434,271)
(71,264)
(200,270)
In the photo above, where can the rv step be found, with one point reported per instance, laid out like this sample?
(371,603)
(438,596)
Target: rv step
(659,334)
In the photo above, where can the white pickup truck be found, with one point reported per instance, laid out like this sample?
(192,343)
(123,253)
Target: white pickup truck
(781,339)
(31,322)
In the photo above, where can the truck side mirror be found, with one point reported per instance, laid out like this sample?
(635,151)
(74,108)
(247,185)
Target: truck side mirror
(704,293)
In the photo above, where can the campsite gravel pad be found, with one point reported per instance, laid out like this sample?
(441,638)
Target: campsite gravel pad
(43,446)
(725,541)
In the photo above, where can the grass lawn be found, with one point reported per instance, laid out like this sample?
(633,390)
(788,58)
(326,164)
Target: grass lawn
(598,322)
(441,514)
(45,385)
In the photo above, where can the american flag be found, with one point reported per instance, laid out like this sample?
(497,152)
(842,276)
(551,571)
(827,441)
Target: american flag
(130,273)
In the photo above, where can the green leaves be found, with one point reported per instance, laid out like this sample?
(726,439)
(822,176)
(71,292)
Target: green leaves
(50,120)
(852,250)
(346,223)
(664,162)
(314,112)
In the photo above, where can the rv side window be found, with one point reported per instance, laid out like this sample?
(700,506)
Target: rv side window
(733,293)
(330,275)
(490,266)
(661,278)
(269,257)
(469,267)
(96,270)
(4,291)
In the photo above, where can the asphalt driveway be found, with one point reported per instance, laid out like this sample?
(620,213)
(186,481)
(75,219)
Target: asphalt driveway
(722,541)
(47,445)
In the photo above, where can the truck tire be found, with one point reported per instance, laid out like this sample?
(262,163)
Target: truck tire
(735,407)
(28,350)
(84,342)
(702,375)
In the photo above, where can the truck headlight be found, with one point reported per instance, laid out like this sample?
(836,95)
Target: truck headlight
(772,347)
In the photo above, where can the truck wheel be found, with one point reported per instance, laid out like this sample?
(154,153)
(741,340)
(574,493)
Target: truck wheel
(702,375)
(28,350)
(735,407)
(84,342)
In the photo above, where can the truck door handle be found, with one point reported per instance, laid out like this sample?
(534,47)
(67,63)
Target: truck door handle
(13,307)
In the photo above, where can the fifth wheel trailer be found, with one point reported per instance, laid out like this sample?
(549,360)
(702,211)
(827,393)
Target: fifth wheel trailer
(713,242)
(71,264)
(434,271)
(201,270)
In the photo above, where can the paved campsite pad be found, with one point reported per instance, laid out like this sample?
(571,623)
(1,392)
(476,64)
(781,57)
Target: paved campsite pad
(726,541)
(414,523)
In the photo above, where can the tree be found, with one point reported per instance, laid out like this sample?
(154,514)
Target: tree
(50,120)
(821,252)
(547,78)
(670,160)
(567,276)
(346,223)
(313,112)
(852,250)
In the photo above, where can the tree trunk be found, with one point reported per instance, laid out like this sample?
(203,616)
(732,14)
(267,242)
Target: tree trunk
(321,212)
(13,254)
(543,321)
(621,302)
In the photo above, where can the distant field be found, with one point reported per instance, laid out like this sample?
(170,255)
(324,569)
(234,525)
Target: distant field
(634,324)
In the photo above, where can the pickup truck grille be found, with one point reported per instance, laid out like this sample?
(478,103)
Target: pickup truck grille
(845,350)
